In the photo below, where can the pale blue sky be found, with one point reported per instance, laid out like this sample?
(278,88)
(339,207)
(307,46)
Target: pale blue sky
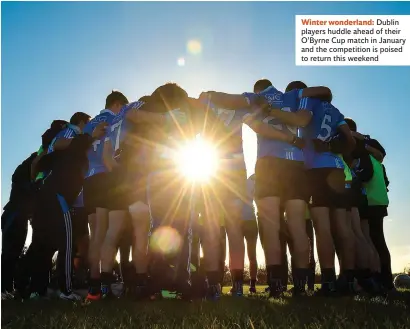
(59,58)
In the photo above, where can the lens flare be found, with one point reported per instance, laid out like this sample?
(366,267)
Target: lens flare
(166,240)
(181,61)
(194,47)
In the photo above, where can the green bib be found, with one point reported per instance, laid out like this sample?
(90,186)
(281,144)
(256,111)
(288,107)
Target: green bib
(376,187)
(40,175)
(348,173)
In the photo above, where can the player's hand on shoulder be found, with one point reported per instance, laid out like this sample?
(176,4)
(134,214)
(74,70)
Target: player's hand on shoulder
(100,130)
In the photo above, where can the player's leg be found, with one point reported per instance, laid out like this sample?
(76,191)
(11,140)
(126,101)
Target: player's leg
(233,212)
(312,262)
(250,232)
(267,198)
(295,197)
(375,260)
(376,229)
(96,197)
(321,195)
(14,233)
(140,225)
(211,211)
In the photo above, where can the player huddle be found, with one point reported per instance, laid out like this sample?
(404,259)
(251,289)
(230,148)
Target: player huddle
(119,169)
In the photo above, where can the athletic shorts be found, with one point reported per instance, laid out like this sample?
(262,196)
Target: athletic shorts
(96,191)
(328,189)
(79,218)
(126,189)
(228,185)
(250,230)
(281,178)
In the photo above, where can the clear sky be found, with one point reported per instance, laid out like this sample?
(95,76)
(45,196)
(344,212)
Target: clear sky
(59,58)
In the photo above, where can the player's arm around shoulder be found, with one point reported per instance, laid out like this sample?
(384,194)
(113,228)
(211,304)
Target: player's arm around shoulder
(321,92)
(226,101)
(264,129)
(299,118)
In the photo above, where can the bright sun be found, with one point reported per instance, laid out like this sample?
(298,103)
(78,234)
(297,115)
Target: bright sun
(197,160)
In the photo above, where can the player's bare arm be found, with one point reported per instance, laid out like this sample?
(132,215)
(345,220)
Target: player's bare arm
(348,138)
(226,101)
(323,93)
(62,144)
(301,118)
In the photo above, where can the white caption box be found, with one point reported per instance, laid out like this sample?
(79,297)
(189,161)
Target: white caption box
(352,40)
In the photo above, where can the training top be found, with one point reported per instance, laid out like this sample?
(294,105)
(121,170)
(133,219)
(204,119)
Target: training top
(95,154)
(324,124)
(288,102)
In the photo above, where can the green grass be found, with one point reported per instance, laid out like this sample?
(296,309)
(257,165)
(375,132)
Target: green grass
(247,312)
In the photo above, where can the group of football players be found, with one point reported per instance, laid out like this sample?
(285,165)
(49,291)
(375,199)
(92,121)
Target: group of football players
(113,181)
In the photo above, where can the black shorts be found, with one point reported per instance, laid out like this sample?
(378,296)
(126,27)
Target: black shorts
(281,178)
(228,185)
(96,191)
(79,219)
(328,188)
(250,230)
(126,189)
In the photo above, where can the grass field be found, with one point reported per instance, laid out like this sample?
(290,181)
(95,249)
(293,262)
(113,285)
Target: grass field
(247,312)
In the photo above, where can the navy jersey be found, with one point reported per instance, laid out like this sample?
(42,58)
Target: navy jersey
(325,122)
(69,132)
(288,102)
(79,202)
(95,154)
(248,210)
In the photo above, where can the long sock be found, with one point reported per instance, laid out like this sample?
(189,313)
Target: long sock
(275,277)
(311,279)
(253,282)
(106,280)
(328,278)
(299,278)
(237,275)
(94,286)
(213,277)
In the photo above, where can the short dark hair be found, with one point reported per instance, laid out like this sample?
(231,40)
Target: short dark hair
(261,84)
(352,125)
(115,96)
(170,94)
(145,99)
(295,85)
(79,117)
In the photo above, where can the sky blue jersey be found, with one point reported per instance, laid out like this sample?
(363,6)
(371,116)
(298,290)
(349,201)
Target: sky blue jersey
(232,119)
(95,154)
(288,102)
(120,125)
(325,122)
(69,132)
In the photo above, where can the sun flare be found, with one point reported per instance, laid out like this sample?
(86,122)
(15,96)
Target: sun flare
(197,160)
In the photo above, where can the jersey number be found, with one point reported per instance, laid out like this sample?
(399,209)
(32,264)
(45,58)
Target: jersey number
(95,145)
(325,125)
(118,133)
(226,116)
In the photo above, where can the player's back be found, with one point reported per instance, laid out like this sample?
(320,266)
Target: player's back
(95,154)
(324,125)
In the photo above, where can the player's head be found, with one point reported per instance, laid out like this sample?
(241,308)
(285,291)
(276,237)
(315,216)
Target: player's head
(145,99)
(261,85)
(80,119)
(48,136)
(170,95)
(295,85)
(115,101)
(352,125)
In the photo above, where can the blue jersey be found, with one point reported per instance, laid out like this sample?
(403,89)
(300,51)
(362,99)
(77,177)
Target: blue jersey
(69,132)
(95,154)
(120,126)
(232,119)
(268,147)
(324,124)
(248,210)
